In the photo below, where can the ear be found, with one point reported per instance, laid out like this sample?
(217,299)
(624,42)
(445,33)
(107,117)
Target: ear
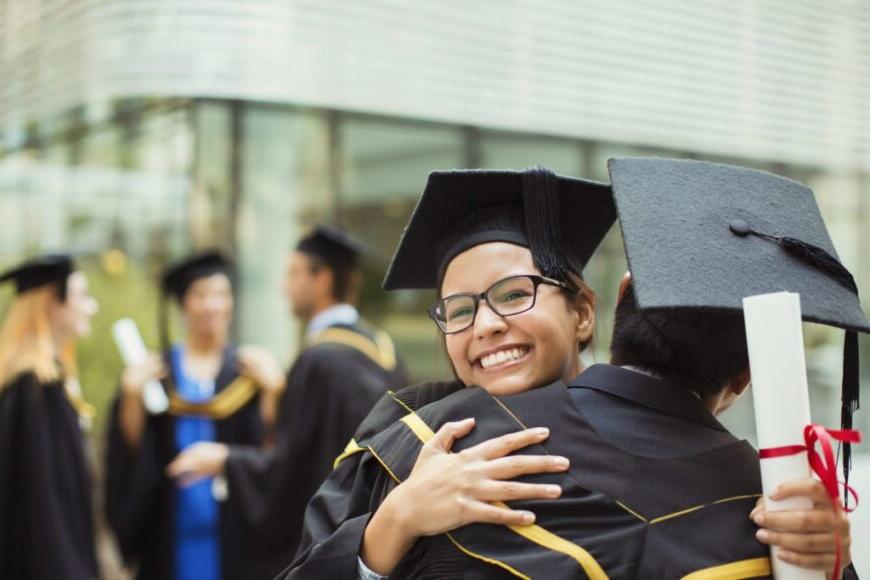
(623,286)
(584,309)
(324,280)
(740,383)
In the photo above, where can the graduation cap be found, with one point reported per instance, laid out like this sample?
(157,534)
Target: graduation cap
(41,271)
(562,220)
(334,246)
(178,277)
(699,237)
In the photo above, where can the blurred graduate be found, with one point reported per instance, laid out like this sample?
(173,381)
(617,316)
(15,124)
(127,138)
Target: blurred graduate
(46,527)
(345,366)
(183,527)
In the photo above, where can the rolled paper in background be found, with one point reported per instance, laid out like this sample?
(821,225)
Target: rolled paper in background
(774,337)
(133,351)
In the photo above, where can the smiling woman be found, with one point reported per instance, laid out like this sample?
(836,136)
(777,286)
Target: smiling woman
(532,334)
(505,251)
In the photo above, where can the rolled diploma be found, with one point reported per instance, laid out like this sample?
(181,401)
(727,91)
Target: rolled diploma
(133,351)
(774,337)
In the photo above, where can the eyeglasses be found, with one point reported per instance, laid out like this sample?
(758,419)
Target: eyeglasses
(506,297)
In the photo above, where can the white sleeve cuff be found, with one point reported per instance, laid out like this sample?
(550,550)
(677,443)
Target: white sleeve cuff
(364,573)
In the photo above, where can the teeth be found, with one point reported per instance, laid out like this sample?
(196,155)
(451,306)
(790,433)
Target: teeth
(502,356)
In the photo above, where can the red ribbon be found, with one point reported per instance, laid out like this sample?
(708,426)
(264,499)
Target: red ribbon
(824,465)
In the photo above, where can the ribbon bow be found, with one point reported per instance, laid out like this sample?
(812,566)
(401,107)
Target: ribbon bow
(824,465)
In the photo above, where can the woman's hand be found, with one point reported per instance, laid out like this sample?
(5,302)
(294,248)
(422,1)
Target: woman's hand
(258,364)
(197,462)
(135,376)
(806,538)
(449,490)
(131,408)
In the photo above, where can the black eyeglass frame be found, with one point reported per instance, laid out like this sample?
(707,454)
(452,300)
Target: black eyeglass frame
(537,281)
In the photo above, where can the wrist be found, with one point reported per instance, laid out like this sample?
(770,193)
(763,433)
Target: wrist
(398,515)
(223,456)
(131,397)
(388,537)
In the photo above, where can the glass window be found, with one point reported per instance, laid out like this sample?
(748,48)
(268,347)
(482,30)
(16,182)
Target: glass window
(383,169)
(284,181)
(511,151)
(211,193)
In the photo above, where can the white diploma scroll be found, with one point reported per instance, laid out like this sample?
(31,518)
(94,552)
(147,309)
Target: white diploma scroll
(774,337)
(133,351)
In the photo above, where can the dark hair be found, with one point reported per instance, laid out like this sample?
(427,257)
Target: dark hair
(342,274)
(702,364)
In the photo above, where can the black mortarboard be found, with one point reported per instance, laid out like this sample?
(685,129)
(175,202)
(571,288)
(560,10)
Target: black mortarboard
(41,271)
(560,219)
(333,245)
(699,237)
(178,277)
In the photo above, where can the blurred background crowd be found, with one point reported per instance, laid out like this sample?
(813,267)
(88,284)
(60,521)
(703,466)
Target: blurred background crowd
(136,131)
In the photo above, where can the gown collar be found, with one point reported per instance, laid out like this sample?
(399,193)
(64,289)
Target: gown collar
(646,390)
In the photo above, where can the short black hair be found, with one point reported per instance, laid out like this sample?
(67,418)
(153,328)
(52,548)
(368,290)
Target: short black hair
(701,365)
(342,274)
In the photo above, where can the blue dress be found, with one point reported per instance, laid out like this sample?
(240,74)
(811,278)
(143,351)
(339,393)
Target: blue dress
(197,546)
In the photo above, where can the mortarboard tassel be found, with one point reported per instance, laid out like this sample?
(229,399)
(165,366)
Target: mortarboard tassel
(850,399)
(163,316)
(819,258)
(543,222)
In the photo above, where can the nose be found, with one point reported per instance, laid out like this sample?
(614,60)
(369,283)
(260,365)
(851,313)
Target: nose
(487,322)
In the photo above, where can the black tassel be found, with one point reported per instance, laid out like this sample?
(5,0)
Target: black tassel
(544,222)
(850,401)
(163,315)
(821,259)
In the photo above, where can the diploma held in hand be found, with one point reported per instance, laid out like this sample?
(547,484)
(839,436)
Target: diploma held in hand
(774,338)
(133,351)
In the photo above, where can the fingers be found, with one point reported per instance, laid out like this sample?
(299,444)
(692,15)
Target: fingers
(189,460)
(817,543)
(811,561)
(804,521)
(155,363)
(807,487)
(245,368)
(512,490)
(506,444)
(482,512)
(759,505)
(188,479)
(517,465)
(447,435)
(181,464)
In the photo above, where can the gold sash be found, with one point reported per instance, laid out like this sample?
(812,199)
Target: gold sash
(221,406)
(381,350)
(85,410)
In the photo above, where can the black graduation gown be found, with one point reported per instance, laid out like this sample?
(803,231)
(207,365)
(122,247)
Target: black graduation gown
(46,526)
(330,389)
(140,498)
(657,489)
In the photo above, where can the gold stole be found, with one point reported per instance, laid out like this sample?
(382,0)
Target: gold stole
(222,405)
(380,350)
